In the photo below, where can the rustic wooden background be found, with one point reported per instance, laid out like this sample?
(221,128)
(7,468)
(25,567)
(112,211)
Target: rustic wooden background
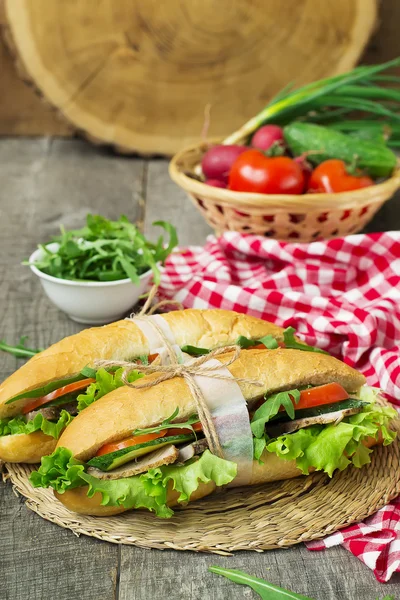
(23,112)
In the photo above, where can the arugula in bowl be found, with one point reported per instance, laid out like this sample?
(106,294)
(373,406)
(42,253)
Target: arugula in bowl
(105,250)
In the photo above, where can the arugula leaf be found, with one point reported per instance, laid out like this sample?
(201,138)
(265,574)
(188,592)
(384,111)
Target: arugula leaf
(105,383)
(271,407)
(168,422)
(39,423)
(19,350)
(266,590)
(62,472)
(290,342)
(106,250)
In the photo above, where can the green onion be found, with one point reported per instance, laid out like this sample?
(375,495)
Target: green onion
(355,92)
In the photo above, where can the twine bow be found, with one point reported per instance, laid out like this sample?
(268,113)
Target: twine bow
(188,371)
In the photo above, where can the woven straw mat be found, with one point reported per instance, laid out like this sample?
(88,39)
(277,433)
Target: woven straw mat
(258,518)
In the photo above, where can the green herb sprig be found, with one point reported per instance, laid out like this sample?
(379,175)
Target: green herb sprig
(266,590)
(168,422)
(20,350)
(106,250)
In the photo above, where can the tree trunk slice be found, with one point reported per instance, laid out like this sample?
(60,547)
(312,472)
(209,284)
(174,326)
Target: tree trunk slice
(139,75)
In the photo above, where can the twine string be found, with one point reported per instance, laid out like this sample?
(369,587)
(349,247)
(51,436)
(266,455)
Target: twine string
(188,371)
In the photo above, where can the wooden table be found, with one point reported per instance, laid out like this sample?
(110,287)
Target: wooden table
(43,183)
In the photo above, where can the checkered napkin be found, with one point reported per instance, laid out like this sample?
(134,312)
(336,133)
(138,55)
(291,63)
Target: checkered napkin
(342,295)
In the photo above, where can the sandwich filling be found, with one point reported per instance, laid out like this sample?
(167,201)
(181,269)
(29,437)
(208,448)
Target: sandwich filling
(53,406)
(321,428)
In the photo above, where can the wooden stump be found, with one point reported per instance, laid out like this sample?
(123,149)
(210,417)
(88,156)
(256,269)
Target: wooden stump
(141,74)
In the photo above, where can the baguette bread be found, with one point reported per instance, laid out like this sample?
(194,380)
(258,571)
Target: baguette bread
(123,340)
(115,416)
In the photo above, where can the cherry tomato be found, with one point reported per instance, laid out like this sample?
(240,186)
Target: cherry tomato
(332,176)
(252,171)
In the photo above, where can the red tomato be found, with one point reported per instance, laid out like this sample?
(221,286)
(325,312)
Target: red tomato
(252,171)
(332,176)
(131,441)
(323,394)
(67,389)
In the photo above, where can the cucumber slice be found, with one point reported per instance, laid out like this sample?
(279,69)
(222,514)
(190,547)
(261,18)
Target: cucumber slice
(107,462)
(316,411)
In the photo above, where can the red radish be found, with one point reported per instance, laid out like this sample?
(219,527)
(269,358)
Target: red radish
(218,160)
(215,183)
(266,136)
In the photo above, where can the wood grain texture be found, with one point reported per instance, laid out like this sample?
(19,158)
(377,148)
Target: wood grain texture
(42,184)
(139,75)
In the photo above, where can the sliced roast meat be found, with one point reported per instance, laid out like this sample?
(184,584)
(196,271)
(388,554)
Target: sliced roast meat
(164,456)
(332,417)
(187,452)
(50,412)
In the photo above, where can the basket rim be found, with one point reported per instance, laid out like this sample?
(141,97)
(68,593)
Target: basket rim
(198,188)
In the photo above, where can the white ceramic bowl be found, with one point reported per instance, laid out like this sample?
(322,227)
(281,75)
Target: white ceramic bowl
(90,302)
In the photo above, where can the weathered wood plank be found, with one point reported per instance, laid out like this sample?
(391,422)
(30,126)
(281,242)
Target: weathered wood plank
(329,575)
(166,201)
(42,184)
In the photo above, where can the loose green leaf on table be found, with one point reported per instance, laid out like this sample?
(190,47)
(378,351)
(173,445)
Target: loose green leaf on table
(265,590)
(19,350)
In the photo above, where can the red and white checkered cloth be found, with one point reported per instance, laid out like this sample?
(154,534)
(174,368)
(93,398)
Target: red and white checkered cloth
(342,295)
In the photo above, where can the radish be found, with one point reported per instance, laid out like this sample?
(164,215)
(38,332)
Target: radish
(266,136)
(215,183)
(218,160)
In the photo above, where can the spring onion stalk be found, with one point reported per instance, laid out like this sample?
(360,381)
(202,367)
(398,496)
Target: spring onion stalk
(355,91)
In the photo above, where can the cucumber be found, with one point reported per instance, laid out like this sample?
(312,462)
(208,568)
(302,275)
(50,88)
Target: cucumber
(107,462)
(376,159)
(316,411)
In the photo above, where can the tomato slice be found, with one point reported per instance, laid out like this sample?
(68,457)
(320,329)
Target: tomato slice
(323,394)
(131,441)
(66,389)
(147,437)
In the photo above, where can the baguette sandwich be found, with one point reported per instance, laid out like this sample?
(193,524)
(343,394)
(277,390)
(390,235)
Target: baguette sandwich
(145,448)
(40,399)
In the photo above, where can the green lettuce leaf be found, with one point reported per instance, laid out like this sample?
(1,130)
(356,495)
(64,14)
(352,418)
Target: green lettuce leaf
(105,383)
(59,471)
(271,407)
(186,478)
(330,447)
(62,472)
(39,423)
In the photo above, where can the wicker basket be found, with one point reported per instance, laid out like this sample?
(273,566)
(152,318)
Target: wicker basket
(302,218)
